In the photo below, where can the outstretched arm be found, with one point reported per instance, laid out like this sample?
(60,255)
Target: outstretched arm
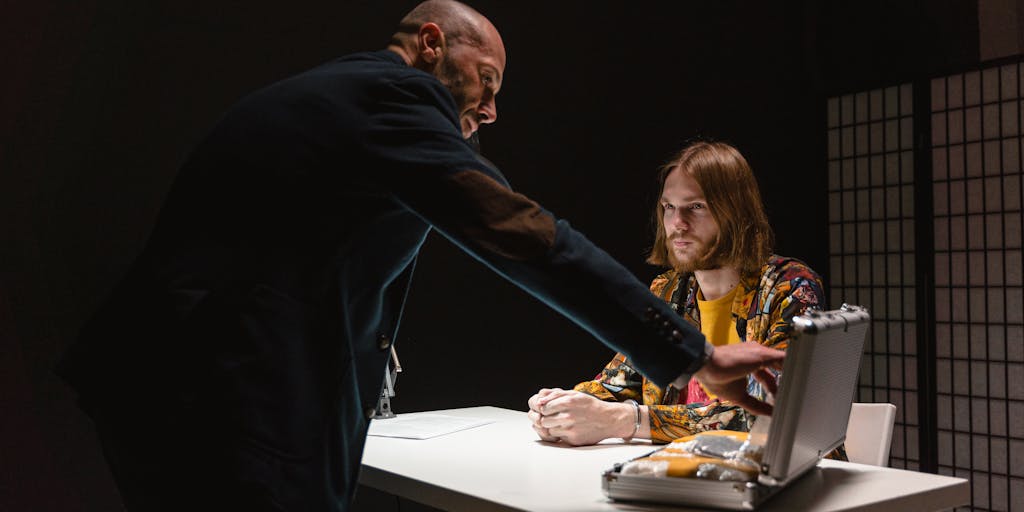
(429,170)
(435,174)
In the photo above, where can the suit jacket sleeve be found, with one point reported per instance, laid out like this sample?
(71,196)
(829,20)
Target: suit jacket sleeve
(427,166)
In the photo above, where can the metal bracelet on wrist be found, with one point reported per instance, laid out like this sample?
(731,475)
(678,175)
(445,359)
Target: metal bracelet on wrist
(636,422)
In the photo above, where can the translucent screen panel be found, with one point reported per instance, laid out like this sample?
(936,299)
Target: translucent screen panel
(871,246)
(976,186)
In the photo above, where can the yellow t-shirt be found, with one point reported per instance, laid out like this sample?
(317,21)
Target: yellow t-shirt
(716,321)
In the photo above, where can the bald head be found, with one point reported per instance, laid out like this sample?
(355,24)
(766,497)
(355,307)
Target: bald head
(459,23)
(460,47)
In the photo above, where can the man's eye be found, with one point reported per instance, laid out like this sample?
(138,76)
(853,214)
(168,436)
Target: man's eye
(697,206)
(667,206)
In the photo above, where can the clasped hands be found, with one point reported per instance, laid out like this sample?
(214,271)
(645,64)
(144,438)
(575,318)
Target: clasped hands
(575,418)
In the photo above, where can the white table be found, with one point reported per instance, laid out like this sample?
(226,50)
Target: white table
(503,466)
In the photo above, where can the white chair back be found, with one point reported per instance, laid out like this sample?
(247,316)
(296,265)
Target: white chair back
(869,433)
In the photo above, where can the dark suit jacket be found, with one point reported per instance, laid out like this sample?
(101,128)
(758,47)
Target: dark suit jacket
(272,284)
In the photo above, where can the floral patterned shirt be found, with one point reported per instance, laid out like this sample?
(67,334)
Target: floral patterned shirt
(763,310)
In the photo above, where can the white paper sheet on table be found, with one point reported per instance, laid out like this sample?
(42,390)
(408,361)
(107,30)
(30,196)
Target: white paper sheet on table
(423,426)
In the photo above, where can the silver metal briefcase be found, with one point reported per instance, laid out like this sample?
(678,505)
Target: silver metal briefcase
(817,388)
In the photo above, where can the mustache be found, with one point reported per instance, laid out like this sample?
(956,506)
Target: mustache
(681,236)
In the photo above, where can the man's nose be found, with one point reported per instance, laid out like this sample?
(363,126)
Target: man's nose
(488,112)
(678,220)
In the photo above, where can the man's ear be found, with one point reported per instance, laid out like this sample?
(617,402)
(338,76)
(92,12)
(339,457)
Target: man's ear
(431,42)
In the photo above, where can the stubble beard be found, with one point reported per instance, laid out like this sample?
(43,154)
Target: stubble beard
(704,260)
(449,76)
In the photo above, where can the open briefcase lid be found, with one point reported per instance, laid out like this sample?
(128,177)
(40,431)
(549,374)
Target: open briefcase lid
(819,381)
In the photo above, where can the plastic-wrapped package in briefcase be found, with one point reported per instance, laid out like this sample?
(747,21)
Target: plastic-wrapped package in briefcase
(739,471)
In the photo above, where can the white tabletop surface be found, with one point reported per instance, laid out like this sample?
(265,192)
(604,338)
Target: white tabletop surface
(504,466)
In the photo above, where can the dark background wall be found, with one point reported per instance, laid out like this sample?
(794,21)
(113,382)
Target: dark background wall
(101,99)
